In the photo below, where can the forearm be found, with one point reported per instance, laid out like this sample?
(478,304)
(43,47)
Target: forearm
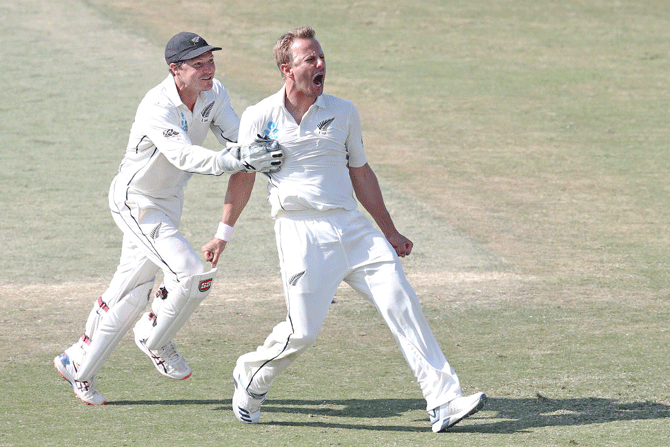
(239,190)
(381,216)
(369,194)
(238,193)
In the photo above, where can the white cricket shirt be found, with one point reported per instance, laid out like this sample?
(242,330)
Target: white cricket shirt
(317,152)
(164,146)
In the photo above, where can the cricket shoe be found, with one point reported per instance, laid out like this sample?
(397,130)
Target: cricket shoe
(246,406)
(167,360)
(454,411)
(84,390)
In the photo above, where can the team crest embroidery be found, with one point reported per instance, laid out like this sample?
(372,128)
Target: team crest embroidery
(206,111)
(323,125)
(154,233)
(294,279)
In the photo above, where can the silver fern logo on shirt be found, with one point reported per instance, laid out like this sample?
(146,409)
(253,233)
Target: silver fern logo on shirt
(323,125)
(155,232)
(206,111)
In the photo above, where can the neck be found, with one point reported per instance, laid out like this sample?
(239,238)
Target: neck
(296,103)
(188,96)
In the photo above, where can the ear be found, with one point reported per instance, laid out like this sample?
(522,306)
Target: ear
(286,71)
(173,68)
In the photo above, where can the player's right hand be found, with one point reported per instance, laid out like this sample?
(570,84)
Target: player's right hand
(212,250)
(263,155)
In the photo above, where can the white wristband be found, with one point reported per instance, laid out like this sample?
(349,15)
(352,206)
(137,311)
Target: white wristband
(224,232)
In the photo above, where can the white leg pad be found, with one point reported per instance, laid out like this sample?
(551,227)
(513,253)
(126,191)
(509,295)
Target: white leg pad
(178,307)
(110,329)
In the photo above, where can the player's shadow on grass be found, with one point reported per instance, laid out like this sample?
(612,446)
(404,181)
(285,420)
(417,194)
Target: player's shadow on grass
(518,415)
(500,415)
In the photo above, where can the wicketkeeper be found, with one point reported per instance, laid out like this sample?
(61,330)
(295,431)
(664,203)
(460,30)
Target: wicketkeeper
(146,199)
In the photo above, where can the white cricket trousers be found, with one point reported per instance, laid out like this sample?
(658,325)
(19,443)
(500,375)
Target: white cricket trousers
(151,241)
(317,251)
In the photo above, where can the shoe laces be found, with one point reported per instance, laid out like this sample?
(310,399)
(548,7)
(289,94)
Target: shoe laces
(86,385)
(169,353)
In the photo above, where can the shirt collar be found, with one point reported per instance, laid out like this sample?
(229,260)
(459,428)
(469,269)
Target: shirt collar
(173,94)
(171,90)
(279,99)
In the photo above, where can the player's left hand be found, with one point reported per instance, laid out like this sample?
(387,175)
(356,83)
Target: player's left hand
(402,245)
(212,250)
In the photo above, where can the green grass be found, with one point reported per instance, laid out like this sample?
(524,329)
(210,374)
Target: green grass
(521,145)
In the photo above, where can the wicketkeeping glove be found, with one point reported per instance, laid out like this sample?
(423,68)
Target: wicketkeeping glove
(263,155)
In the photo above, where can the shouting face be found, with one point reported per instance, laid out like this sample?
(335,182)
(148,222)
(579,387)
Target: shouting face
(307,70)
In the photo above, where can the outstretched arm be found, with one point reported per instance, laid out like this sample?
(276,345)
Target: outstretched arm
(369,194)
(239,190)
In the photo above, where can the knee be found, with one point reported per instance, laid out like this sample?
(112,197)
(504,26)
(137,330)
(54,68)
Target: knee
(190,266)
(300,342)
(290,340)
(294,342)
(196,269)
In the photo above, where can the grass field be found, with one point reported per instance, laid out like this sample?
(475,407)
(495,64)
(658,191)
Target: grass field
(522,146)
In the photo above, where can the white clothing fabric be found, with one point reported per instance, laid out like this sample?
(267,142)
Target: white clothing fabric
(164,149)
(317,152)
(323,240)
(146,197)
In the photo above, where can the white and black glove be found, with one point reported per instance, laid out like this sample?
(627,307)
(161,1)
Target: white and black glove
(263,155)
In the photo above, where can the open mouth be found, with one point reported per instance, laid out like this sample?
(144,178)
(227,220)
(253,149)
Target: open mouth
(318,80)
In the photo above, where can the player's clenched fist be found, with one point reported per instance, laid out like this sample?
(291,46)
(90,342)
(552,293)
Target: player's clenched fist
(401,245)
(212,250)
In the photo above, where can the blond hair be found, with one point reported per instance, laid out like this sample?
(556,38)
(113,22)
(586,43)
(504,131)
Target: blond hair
(282,49)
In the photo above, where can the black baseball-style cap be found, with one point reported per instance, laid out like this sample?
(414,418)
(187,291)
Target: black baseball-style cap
(186,46)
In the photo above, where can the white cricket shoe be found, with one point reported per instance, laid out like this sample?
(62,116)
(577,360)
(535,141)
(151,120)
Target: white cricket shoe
(84,390)
(167,360)
(456,410)
(246,406)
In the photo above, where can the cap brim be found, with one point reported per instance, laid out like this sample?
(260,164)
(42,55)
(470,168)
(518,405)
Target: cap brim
(197,52)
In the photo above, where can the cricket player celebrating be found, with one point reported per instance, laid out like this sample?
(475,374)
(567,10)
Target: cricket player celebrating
(146,199)
(323,240)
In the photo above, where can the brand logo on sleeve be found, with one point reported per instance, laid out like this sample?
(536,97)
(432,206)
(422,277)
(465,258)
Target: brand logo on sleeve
(155,232)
